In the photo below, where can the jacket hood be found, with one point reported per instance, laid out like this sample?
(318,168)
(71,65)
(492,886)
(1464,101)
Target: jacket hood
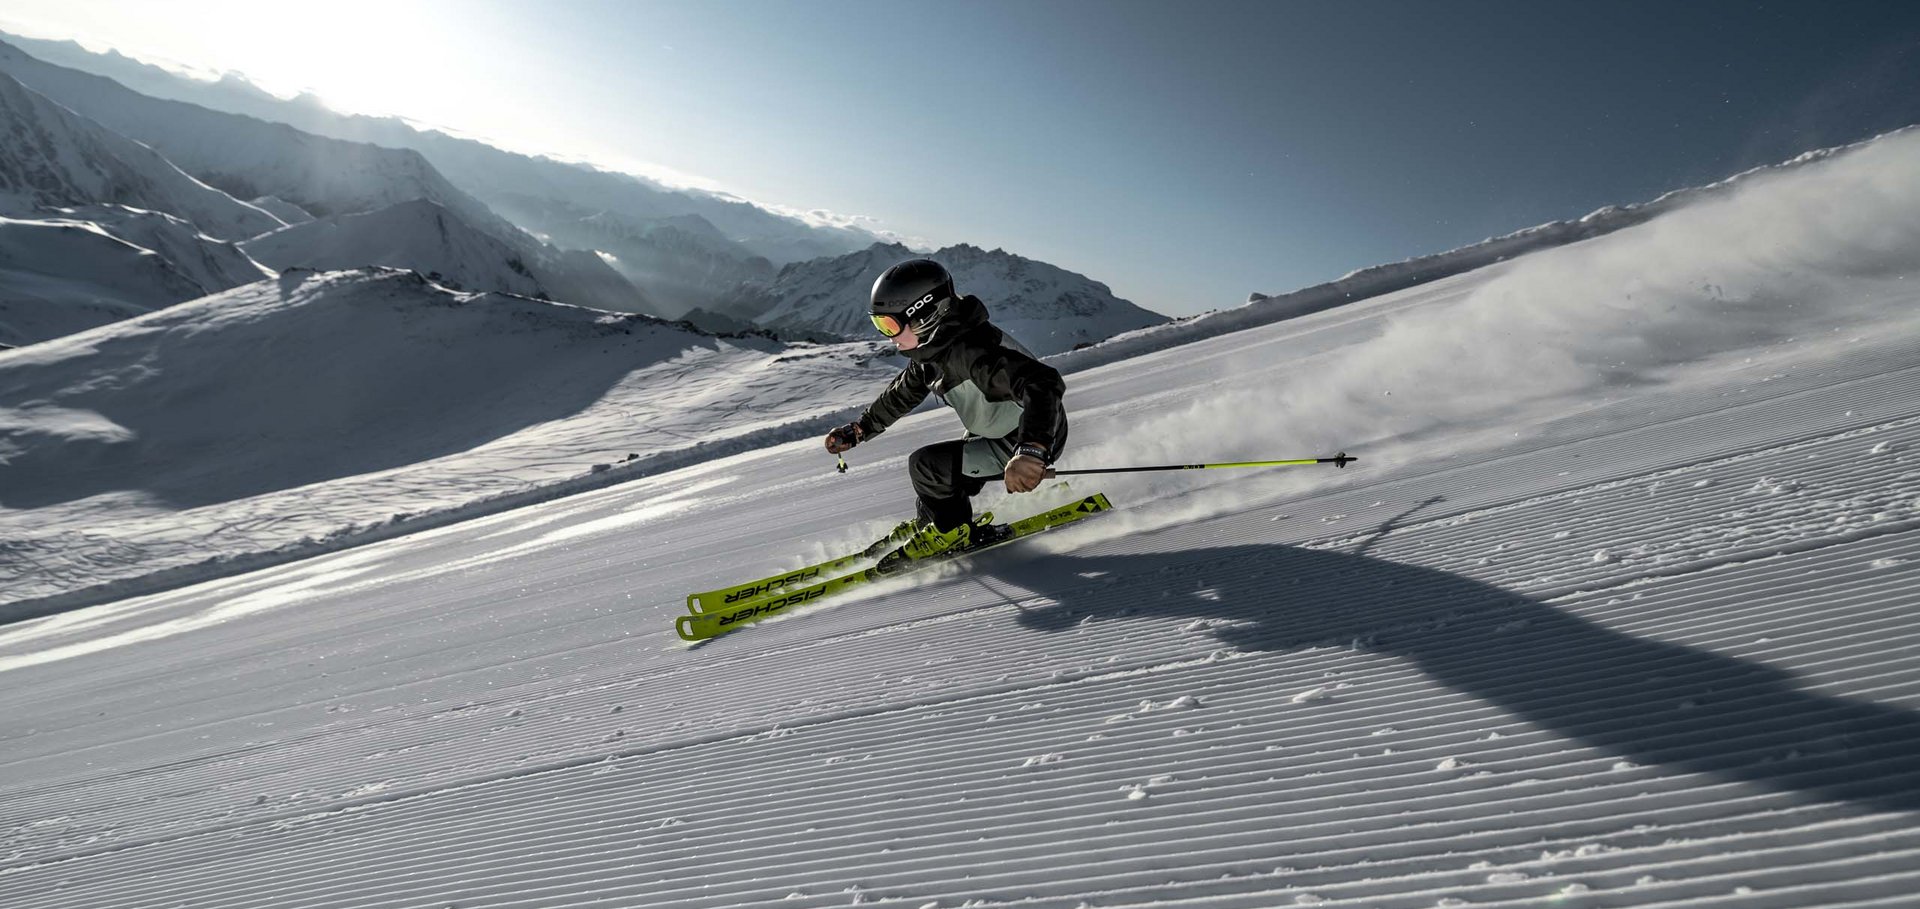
(967,316)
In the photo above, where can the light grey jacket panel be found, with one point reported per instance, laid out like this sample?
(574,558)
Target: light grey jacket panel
(982,416)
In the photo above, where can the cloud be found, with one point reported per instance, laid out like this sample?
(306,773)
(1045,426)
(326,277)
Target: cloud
(867,224)
(669,178)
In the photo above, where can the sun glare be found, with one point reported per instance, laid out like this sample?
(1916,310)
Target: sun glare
(356,56)
(399,57)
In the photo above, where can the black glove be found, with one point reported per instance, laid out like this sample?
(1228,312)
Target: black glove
(843,438)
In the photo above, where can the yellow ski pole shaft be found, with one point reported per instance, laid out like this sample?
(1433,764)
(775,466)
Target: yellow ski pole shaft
(1340,460)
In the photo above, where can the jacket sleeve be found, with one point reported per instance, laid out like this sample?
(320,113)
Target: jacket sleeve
(902,395)
(1008,374)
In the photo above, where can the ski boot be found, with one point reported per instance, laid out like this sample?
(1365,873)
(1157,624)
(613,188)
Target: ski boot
(925,543)
(905,530)
(928,543)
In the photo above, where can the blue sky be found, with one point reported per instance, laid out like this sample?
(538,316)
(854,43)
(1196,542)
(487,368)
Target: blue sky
(1184,153)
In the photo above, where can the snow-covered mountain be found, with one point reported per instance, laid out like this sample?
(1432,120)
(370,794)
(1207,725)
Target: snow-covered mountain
(688,250)
(98,226)
(322,176)
(282,209)
(215,265)
(248,157)
(51,157)
(540,194)
(418,235)
(1617,609)
(82,266)
(1048,308)
(684,262)
(59,277)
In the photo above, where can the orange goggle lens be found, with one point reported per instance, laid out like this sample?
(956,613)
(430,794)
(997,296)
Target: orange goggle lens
(888,325)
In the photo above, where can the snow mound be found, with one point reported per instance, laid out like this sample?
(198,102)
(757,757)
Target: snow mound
(214,264)
(59,276)
(420,235)
(305,370)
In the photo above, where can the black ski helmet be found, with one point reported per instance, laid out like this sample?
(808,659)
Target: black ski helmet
(916,293)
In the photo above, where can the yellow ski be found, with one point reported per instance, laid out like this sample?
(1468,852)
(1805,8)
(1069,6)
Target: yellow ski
(703,625)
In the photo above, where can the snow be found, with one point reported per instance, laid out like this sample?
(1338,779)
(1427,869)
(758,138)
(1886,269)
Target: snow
(52,156)
(322,176)
(1417,688)
(418,235)
(282,209)
(213,264)
(59,276)
(86,266)
(118,441)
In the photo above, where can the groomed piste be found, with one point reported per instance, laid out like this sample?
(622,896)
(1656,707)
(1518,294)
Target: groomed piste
(1617,609)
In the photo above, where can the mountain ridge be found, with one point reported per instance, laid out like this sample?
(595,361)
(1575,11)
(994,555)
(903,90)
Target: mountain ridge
(55,157)
(252,158)
(516,184)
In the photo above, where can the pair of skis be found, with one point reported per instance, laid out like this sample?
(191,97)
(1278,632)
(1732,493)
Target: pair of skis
(717,612)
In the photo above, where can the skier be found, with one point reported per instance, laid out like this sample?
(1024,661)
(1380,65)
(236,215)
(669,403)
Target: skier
(1008,401)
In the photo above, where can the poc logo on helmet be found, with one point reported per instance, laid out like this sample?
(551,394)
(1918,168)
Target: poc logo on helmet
(916,307)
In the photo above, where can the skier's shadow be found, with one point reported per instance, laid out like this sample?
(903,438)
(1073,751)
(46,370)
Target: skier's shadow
(1647,701)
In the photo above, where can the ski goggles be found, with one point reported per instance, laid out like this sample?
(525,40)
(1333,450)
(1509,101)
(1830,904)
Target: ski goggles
(921,313)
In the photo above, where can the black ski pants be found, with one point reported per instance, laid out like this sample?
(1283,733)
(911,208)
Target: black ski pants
(947,475)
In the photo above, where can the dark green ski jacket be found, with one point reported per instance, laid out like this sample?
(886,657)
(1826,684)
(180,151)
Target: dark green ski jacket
(998,387)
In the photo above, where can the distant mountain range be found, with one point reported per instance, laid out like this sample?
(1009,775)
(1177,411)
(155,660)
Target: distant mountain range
(243,157)
(512,183)
(124,146)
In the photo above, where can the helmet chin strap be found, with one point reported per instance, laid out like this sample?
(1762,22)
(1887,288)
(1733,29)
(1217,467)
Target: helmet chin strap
(926,330)
(927,335)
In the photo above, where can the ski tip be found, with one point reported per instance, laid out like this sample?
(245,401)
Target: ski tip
(683,626)
(693,603)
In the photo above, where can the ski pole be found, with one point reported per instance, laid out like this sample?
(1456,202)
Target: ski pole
(1340,460)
